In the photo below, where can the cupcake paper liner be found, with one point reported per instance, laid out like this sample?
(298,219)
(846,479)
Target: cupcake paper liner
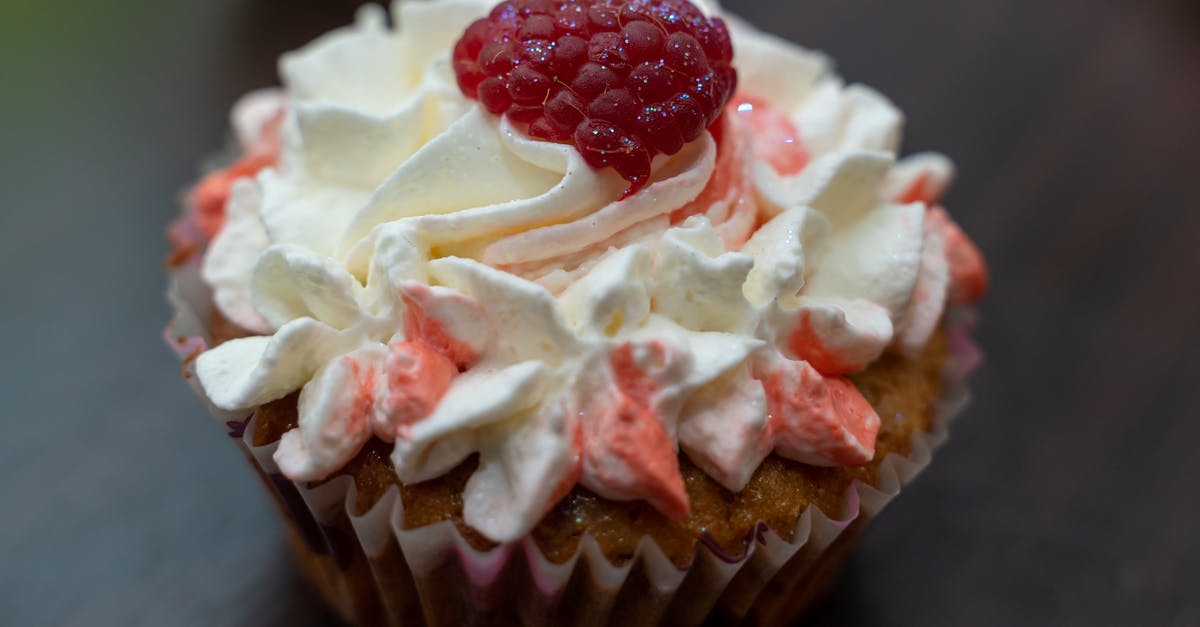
(373,571)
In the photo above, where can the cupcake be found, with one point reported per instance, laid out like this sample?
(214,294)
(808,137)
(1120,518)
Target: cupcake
(572,312)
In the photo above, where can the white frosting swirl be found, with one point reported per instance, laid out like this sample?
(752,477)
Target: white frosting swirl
(594,335)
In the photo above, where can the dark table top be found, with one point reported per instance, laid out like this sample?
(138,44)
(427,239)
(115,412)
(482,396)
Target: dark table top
(1068,494)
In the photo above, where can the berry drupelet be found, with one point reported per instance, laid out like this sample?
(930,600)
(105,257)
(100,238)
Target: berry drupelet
(621,80)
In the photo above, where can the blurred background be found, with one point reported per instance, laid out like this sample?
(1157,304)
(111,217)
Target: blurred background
(1067,496)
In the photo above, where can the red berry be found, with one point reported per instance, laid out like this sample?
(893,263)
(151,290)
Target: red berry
(688,115)
(566,109)
(528,86)
(656,125)
(526,114)
(537,27)
(594,79)
(570,52)
(616,106)
(537,54)
(653,83)
(602,17)
(685,55)
(572,19)
(493,94)
(643,40)
(605,145)
(543,128)
(496,58)
(622,80)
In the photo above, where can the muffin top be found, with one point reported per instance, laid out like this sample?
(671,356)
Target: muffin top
(573,237)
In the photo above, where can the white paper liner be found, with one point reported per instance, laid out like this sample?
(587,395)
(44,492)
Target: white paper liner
(373,571)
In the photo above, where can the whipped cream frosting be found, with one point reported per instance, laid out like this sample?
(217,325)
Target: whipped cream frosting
(426,274)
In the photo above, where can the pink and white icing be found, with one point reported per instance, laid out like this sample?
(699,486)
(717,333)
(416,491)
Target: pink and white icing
(426,274)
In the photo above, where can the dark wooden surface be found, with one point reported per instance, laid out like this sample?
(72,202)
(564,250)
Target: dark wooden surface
(1068,494)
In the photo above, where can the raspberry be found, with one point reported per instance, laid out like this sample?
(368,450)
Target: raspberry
(621,80)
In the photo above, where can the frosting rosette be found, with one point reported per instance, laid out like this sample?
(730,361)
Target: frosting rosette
(426,273)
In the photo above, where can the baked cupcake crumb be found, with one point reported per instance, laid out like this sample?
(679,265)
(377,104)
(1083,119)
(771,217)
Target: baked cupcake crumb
(902,390)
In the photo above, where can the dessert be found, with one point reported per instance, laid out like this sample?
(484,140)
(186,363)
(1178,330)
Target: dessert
(544,286)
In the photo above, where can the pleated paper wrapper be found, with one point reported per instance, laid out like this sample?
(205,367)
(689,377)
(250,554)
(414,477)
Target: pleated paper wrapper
(374,571)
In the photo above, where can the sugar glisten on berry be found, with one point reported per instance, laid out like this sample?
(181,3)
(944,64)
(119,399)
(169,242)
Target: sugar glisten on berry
(621,80)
